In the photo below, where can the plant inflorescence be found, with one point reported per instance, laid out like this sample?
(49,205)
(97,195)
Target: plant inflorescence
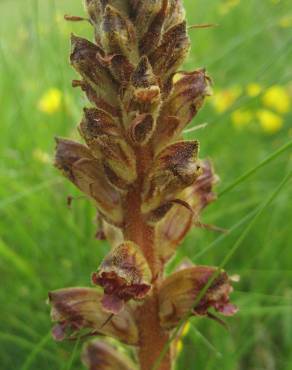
(148,184)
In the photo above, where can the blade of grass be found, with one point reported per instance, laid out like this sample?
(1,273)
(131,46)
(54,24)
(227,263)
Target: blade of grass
(226,259)
(224,236)
(21,342)
(73,355)
(37,349)
(250,172)
(30,191)
(205,340)
(18,262)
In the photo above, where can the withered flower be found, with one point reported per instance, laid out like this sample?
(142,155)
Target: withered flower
(171,231)
(124,274)
(180,219)
(100,355)
(186,97)
(78,311)
(174,169)
(148,184)
(201,194)
(104,139)
(178,293)
(85,171)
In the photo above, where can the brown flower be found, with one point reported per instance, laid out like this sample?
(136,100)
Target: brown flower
(85,171)
(187,95)
(100,355)
(104,139)
(98,82)
(174,169)
(78,311)
(180,219)
(172,229)
(201,193)
(124,274)
(171,52)
(179,291)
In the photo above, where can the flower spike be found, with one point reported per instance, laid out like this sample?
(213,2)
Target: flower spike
(148,184)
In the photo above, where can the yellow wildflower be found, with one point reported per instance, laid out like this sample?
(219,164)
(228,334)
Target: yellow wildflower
(241,118)
(270,122)
(286,21)
(277,97)
(41,156)
(186,329)
(227,6)
(224,99)
(253,89)
(180,344)
(179,347)
(50,102)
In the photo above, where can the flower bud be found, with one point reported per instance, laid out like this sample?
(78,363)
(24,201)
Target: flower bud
(167,129)
(78,311)
(201,193)
(95,8)
(174,169)
(170,54)
(100,355)
(124,274)
(144,12)
(179,220)
(96,97)
(179,291)
(97,122)
(171,231)
(186,98)
(86,172)
(175,14)
(120,68)
(96,76)
(118,34)
(106,143)
(143,93)
(153,35)
(141,129)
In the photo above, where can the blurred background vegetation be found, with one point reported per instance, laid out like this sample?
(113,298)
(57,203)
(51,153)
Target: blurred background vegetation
(44,245)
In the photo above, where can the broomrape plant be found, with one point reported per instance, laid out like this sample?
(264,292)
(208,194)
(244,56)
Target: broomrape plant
(148,184)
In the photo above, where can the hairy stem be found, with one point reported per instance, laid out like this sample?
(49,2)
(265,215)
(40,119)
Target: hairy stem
(152,337)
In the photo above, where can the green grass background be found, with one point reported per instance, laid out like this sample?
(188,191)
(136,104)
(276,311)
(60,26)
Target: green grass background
(44,245)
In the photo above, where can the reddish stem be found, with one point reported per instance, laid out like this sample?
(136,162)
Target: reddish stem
(152,337)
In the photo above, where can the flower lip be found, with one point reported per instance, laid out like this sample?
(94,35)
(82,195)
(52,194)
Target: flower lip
(115,285)
(217,297)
